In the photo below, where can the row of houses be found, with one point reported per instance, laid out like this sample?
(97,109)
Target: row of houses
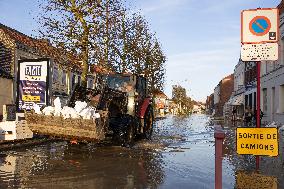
(244,86)
(66,68)
(15,46)
(216,102)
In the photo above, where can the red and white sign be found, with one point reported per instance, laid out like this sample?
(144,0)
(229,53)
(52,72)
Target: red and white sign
(260,26)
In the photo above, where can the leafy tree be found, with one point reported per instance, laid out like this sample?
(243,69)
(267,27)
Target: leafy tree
(73,24)
(180,97)
(102,32)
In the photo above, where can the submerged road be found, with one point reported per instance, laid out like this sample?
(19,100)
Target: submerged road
(180,155)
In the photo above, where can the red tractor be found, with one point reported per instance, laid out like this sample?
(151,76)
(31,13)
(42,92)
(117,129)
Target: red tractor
(130,107)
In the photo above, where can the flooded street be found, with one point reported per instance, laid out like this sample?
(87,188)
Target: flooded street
(181,155)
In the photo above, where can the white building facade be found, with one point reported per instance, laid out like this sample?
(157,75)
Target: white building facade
(272,84)
(238,97)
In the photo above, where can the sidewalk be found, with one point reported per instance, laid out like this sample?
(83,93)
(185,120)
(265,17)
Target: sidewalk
(269,166)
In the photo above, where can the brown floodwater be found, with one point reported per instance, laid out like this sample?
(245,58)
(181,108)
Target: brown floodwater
(180,155)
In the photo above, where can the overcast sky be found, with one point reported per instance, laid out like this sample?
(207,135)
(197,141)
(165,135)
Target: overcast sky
(201,38)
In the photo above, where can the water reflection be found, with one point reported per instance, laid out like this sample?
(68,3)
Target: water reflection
(60,165)
(180,155)
(270,167)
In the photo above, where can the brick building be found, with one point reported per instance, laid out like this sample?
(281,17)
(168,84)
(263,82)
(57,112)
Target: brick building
(210,104)
(222,94)
(14,46)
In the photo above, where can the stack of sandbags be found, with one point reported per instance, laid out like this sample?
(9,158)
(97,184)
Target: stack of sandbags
(81,110)
(273,124)
(49,110)
(68,112)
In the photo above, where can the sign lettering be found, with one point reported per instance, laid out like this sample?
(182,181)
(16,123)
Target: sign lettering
(257,141)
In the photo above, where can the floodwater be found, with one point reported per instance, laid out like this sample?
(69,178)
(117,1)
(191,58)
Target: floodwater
(180,155)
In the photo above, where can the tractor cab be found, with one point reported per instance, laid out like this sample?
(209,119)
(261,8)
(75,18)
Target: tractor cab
(125,97)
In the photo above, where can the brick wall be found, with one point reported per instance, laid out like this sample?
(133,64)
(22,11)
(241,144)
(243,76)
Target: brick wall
(210,104)
(226,89)
(6,93)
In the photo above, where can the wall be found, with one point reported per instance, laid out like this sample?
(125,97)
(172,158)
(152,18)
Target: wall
(274,83)
(239,75)
(217,94)
(5,93)
(226,89)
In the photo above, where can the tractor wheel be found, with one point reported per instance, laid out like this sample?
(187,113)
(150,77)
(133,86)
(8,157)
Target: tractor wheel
(124,132)
(129,135)
(148,123)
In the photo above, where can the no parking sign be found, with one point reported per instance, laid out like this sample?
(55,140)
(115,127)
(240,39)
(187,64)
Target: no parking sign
(260,26)
(260,34)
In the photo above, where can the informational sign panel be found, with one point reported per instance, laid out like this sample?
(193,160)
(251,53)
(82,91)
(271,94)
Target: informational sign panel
(257,141)
(259,52)
(260,26)
(33,82)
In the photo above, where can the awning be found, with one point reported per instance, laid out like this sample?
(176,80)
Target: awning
(238,100)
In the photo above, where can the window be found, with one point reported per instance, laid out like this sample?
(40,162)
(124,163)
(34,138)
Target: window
(246,100)
(90,83)
(79,80)
(5,58)
(55,75)
(281,99)
(63,81)
(73,81)
(264,100)
(250,101)
(273,100)
(254,100)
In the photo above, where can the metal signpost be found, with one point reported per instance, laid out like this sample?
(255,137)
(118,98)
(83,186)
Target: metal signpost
(259,38)
(33,83)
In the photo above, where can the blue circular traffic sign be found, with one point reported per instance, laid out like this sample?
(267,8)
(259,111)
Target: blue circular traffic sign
(260,25)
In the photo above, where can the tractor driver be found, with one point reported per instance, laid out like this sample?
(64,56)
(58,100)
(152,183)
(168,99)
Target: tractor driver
(126,87)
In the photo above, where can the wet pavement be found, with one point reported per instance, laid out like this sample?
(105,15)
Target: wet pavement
(180,155)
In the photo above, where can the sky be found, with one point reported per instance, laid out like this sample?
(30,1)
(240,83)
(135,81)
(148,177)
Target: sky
(201,38)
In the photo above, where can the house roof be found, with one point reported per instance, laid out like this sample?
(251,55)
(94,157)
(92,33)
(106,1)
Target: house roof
(281,7)
(160,94)
(43,48)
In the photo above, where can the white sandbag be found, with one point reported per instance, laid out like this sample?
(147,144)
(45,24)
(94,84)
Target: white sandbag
(85,113)
(68,112)
(37,109)
(96,115)
(49,110)
(57,106)
(273,124)
(79,106)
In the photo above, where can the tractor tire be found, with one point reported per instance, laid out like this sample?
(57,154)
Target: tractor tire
(130,133)
(148,123)
(124,133)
